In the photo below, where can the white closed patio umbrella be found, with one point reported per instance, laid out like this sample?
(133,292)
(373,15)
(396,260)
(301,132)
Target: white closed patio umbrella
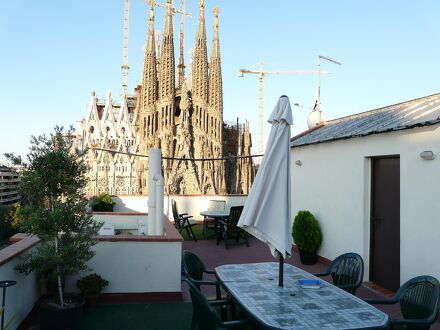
(266,213)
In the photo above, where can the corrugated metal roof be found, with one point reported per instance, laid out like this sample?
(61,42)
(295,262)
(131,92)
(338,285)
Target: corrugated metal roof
(414,113)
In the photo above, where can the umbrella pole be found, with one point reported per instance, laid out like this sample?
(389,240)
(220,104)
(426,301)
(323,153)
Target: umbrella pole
(281,270)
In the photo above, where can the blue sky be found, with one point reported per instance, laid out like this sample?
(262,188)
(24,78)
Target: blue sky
(54,53)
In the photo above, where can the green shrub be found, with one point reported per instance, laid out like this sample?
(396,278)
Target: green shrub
(306,232)
(91,284)
(103,203)
(9,220)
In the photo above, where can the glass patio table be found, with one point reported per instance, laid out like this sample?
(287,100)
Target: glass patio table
(255,288)
(216,215)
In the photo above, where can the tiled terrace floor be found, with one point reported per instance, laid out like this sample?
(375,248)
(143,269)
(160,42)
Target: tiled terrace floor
(213,255)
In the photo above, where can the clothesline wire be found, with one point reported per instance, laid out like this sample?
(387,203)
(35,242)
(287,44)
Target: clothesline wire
(177,158)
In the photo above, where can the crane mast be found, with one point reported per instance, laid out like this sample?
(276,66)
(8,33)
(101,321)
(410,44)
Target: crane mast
(125,66)
(261,74)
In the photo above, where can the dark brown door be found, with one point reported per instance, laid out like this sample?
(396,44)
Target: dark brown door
(385,222)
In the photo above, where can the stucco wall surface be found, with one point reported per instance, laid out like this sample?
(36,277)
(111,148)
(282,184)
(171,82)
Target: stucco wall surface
(334,183)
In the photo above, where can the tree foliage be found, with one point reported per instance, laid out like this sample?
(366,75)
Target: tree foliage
(9,220)
(53,183)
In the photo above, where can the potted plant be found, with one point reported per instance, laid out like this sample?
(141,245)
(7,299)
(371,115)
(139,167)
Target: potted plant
(53,183)
(103,203)
(307,236)
(91,287)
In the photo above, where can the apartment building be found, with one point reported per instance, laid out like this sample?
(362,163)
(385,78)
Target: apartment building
(9,182)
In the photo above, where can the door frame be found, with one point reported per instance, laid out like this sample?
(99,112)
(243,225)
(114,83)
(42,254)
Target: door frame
(369,217)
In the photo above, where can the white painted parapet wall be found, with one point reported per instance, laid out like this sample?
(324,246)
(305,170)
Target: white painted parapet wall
(191,204)
(20,298)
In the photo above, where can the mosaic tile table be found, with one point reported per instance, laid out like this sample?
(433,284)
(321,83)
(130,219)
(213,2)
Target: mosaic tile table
(255,287)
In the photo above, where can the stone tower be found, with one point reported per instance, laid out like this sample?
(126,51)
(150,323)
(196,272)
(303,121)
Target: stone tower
(183,119)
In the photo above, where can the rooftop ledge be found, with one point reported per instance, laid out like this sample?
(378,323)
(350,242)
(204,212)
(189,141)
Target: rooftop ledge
(22,242)
(170,232)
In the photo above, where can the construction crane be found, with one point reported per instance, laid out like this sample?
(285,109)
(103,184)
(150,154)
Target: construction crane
(125,66)
(261,74)
(173,10)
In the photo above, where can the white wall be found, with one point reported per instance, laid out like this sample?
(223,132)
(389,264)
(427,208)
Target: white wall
(121,221)
(334,184)
(20,299)
(136,266)
(192,205)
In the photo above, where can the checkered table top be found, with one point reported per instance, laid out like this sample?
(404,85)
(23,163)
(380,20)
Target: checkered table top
(255,287)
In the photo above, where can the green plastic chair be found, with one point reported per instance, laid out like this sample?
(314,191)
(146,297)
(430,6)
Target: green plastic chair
(204,314)
(419,303)
(183,221)
(195,269)
(347,272)
(228,228)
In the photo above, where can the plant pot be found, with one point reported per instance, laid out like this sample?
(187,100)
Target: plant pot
(308,258)
(92,301)
(53,317)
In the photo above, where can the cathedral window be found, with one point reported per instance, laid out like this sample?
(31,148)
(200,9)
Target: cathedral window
(91,129)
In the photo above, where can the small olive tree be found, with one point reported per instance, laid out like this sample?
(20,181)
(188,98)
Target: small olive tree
(53,183)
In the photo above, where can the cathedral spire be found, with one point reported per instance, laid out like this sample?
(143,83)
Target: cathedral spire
(149,76)
(200,66)
(181,66)
(167,74)
(215,72)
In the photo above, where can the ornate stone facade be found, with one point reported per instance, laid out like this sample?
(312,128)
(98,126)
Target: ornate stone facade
(184,120)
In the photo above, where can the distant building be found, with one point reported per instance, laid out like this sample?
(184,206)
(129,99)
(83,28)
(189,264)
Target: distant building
(183,116)
(9,183)
(372,180)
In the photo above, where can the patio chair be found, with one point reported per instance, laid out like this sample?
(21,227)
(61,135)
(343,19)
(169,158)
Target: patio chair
(194,269)
(347,272)
(208,222)
(183,221)
(228,228)
(419,303)
(204,314)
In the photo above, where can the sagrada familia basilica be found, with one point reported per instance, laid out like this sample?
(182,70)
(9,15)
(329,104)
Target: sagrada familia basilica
(181,115)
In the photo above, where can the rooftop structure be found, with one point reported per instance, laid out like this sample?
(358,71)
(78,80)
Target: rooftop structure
(9,182)
(419,112)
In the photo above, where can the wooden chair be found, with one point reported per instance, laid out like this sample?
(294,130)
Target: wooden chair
(347,272)
(228,228)
(211,223)
(419,303)
(183,221)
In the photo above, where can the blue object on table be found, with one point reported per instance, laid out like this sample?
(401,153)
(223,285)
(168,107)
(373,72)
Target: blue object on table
(309,283)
